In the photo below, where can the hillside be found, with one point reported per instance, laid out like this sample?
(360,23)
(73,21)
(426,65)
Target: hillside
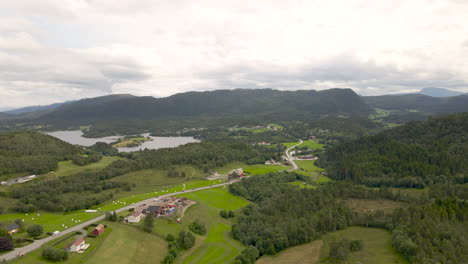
(31,152)
(215,103)
(419,102)
(439,92)
(412,155)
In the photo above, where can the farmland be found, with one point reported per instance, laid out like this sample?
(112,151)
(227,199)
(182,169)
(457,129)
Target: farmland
(377,246)
(308,143)
(305,254)
(66,168)
(252,169)
(377,249)
(217,246)
(308,165)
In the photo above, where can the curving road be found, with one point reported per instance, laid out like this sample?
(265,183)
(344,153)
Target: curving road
(39,243)
(291,158)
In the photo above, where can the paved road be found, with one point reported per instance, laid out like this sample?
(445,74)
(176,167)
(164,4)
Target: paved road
(290,158)
(38,243)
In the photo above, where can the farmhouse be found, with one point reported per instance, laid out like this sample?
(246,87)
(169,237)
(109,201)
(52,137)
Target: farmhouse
(239,172)
(98,230)
(135,217)
(13,228)
(153,209)
(78,246)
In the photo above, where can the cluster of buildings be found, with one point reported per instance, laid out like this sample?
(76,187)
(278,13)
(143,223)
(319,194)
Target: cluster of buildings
(236,173)
(164,207)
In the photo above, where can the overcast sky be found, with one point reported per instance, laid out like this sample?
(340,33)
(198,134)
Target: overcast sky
(58,50)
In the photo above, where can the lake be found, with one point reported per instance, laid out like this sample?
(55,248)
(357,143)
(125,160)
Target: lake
(76,138)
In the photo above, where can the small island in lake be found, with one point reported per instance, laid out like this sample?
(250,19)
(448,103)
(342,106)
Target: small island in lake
(130,141)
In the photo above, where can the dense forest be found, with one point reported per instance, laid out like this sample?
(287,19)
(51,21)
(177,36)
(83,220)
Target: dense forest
(32,152)
(85,190)
(429,231)
(412,155)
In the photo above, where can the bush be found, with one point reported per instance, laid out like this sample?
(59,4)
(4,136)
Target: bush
(197,227)
(170,237)
(55,254)
(5,244)
(224,214)
(35,230)
(231,214)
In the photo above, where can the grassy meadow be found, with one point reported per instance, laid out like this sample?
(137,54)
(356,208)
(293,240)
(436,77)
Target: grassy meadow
(66,168)
(217,246)
(305,254)
(377,246)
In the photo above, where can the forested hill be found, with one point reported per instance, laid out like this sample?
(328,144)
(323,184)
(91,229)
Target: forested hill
(419,102)
(31,152)
(208,104)
(412,155)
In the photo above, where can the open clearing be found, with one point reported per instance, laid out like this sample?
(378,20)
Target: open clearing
(67,168)
(305,254)
(370,206)
(308,165)
(307,143)
(252,169)
(377,246)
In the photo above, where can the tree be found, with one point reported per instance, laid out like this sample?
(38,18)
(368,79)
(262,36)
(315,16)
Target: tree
(55,254)
(148,224)
(197,227)
(231,214)
(35,230)
(170,237)
(5,244)
(186,240)
(223,214)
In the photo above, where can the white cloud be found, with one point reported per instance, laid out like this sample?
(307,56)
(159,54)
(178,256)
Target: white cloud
(163,47)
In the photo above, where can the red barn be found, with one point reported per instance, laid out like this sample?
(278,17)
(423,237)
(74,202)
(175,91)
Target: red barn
(98,230)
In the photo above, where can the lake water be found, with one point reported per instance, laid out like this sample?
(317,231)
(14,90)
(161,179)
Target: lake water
(76,138)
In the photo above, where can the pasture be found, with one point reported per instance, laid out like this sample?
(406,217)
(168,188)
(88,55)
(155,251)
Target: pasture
(305,254)
(66,168)
(308,165)
(377,246)
(217,246)
(252,169)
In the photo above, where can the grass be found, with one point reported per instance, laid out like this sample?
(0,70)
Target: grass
(252,169)
(377,246)
(308,165)
(118,244)
(130,141)
(219,246)
(66,168)
(50,221)
(370,206)
(253,130)
(302,185)
(73,258)
(305,254)
(323,179)
(308,143)
(127,245)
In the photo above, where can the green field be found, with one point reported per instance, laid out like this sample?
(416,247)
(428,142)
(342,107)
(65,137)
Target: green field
(302,185)
(377,249)
(50,221)
(304,254)
(67,168)
(308,165)
(307,143)
(377,246)
(253,130)
(119,244)
(252,169)
(217,246)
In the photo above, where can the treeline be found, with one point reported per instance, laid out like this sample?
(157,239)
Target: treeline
(85,190)
(409,156)
(85,160)
(32,152)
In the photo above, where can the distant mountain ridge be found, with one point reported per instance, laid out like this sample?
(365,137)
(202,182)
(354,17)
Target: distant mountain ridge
(439,92)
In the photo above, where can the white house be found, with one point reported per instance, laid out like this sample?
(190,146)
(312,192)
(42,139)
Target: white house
(135,217)
(78,246)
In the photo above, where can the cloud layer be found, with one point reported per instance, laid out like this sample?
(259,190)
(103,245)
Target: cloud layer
(57,50)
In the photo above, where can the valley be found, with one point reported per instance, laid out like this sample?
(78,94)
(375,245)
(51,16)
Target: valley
(323,189)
